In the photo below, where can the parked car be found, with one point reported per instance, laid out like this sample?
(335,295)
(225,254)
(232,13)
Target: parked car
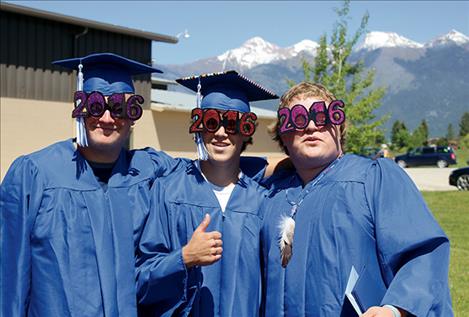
(460,178)
(441,156)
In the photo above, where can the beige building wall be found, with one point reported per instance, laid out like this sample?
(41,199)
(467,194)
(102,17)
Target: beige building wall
(29,125)
(165,130)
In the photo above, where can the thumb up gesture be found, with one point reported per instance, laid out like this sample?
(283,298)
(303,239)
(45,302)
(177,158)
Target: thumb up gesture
(204,248)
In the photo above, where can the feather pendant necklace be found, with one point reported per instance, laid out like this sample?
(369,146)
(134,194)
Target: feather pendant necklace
(287,223)
(287,229)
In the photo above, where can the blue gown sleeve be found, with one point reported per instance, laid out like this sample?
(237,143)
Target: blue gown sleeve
(412,247)
(161,272)
(165,164)
(21,194)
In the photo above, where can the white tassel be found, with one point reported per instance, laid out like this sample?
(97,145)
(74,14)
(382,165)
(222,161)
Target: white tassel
(80,121)
(201,149)
(287,229)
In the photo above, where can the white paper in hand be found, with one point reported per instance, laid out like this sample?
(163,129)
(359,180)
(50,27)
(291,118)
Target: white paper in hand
(352,280)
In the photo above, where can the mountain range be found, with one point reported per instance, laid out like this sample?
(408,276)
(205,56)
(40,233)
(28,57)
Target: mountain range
(423,80)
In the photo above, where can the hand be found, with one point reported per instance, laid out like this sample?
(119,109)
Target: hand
(204,248)
(377,311)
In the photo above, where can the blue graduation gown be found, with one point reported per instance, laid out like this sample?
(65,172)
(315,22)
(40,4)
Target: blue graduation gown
(362,213)
(229,287)
(67,244)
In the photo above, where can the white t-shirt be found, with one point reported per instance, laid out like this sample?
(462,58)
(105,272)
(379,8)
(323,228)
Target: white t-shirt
(223,194)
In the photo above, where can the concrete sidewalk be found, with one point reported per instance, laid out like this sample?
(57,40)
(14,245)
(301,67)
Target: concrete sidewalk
(431,178)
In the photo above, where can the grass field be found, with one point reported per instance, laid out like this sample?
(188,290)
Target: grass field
(451,209)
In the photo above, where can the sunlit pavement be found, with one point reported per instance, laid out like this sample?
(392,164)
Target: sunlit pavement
(431,178)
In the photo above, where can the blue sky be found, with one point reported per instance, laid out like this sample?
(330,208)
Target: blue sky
(216,26)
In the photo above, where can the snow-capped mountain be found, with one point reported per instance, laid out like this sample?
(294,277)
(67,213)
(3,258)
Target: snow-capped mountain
(307,46)
(375,40)
(452,38)
(258,51)
(416,76)
(253,52)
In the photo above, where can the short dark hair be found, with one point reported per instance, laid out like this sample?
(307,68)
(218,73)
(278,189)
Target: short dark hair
(246,143)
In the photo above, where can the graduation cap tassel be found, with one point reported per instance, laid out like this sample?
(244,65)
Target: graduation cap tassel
(80,121)
(201,150)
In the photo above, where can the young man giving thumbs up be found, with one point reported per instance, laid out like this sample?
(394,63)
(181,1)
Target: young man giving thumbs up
(199,252)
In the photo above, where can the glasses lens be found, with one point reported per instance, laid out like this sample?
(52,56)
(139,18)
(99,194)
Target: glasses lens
(116,105)
(96,104)
(211,120)
(230,121)
(212,124)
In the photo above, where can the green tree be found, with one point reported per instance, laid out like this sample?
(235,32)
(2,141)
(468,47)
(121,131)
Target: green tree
(348,81)
(442,141)
(380,138)
(464,125)
(400,136)
(420,135)
(424,130)
(464,141)
(450,133)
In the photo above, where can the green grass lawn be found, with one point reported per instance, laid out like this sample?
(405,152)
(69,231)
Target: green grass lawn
(451,209)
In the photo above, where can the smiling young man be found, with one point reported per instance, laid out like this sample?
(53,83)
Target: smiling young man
(338,223)
(199,252)
(106,136)
(69,211)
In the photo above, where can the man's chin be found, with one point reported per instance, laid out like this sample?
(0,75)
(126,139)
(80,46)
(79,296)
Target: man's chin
(220,157)
(311,158)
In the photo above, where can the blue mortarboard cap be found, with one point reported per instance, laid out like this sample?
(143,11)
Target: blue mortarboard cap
(107,73)
(227,90)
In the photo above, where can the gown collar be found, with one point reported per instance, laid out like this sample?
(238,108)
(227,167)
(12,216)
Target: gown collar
(84,172)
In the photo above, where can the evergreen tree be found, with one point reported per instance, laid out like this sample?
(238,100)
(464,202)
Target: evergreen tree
(380,138)
(424,131)
(450,133)
(464,125)
(396,127)
(420,135)
(348,82)
(400,136)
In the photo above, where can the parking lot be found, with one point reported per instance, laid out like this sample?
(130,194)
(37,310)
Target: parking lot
(431,178)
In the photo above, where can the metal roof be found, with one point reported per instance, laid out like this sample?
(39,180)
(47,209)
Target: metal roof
(159,80)
(4,6)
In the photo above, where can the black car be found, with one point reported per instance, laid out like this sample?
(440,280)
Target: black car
(441,156)
(460,178)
